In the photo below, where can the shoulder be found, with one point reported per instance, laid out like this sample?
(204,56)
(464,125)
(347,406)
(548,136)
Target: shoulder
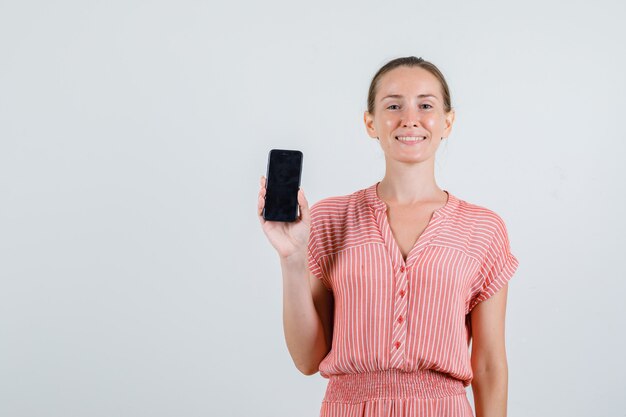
(476,226)
(339,222)
(339,208)
(480,216)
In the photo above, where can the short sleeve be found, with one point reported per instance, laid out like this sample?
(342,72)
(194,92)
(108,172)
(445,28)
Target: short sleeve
(497,267)
(315,249)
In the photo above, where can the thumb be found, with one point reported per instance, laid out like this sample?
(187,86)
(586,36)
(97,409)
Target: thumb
(305,212)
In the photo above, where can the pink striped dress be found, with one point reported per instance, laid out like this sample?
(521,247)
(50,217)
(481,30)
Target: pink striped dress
(401,328)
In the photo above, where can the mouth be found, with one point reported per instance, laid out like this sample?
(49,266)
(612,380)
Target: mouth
(411,139)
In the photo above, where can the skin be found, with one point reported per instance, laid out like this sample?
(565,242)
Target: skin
(411,193)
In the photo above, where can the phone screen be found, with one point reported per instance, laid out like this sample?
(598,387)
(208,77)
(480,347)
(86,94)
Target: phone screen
(284,169)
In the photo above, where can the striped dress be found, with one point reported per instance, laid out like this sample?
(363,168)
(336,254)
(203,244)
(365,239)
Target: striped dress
(401,330)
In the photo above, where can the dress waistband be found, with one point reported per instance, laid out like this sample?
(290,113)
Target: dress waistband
(391,383)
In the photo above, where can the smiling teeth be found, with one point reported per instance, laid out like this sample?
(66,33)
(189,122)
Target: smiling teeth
(411,138)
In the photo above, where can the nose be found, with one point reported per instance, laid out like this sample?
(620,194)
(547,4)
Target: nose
(410,117)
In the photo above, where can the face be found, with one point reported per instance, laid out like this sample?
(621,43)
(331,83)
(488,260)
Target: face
(409,105)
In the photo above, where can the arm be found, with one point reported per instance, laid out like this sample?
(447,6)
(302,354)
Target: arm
(307,315)
(489,364)
(307,305)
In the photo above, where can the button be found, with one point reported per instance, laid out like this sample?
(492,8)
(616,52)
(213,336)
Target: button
(402,292)
(397,345)
(400,319)
(402,269)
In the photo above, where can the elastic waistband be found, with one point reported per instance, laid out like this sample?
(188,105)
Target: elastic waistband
(391,383)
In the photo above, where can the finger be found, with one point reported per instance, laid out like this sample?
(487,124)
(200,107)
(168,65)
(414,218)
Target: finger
(260,205)
(305,212)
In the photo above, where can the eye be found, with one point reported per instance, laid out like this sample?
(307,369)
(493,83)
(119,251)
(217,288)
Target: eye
(389,107)
(429,106)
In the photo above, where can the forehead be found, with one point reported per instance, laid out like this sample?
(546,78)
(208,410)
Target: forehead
(408,81)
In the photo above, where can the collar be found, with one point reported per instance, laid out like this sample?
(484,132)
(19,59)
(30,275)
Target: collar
(377,204)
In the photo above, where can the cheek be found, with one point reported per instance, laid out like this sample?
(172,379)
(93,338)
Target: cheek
(432,121)
(389,122)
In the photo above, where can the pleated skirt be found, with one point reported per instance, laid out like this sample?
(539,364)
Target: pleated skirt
(394,393)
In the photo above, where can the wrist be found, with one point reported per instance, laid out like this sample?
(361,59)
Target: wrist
(295,259)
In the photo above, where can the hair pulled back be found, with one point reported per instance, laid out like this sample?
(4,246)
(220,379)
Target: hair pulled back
(408,61)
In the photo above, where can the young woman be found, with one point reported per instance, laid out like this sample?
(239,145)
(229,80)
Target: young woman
(385,288)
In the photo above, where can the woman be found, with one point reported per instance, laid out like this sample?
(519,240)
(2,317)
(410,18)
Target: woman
(402,275)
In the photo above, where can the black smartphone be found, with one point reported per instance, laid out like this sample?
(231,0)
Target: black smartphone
(284,169)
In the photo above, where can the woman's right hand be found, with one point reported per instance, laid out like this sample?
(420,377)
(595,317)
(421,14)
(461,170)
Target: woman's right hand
(288,238)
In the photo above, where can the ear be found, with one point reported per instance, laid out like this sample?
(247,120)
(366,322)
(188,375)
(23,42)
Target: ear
(448,122)
(368,119)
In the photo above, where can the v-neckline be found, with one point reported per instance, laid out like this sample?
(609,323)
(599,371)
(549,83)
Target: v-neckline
(433,227)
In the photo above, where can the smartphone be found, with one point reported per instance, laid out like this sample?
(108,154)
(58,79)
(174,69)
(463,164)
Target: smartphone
(284,169)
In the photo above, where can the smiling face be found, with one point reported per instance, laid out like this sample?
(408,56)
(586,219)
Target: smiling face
(409,116)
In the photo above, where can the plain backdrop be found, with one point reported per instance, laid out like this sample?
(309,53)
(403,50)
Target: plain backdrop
(135,279)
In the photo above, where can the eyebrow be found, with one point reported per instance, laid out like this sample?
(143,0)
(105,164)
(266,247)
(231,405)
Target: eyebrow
(400,96)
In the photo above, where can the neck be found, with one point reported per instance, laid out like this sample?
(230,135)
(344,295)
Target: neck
(410,184)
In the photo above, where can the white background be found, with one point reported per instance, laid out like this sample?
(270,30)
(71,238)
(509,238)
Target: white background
(135,279)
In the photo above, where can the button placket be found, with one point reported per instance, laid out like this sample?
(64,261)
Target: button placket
(399,318)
